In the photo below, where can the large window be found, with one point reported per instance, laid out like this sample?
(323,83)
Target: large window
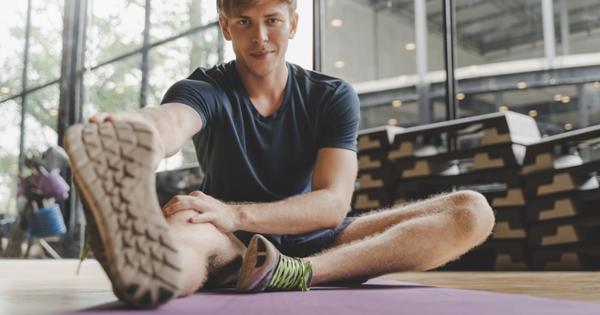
(495,31)
(45,45)
(171,17)
(536,57)
(576,25)
(115,27)
(41,104)
(368,40)
(9,153)
(41,120)
(113,87)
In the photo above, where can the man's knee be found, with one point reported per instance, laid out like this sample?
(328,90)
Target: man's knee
(180,218)
(181,228)
(472,216)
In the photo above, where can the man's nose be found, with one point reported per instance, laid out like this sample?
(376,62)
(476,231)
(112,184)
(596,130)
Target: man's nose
(260,33)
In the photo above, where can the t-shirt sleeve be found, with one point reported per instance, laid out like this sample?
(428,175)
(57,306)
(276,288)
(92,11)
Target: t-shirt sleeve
(199,95)
(340,119)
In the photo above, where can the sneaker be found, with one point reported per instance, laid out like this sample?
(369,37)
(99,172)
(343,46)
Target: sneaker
(264,268)
(113,167)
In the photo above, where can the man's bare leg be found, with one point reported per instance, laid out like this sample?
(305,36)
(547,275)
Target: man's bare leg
(113,165)
(416,237)
(203,249)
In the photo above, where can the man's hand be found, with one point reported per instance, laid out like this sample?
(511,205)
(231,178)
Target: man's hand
(223,216)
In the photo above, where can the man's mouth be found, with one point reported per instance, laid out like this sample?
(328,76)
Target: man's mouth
(262,54)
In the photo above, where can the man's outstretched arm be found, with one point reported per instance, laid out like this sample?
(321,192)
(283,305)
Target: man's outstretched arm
(324,207)
(172,123)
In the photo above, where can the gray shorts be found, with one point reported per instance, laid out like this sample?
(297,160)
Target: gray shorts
(301,245)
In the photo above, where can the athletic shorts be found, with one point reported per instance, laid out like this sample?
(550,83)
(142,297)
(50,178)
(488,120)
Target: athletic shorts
(301,245)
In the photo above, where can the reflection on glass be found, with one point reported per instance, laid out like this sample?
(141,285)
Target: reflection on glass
(577,27)
(590,94)
(45,46)
(368,40)
(495,31)
(476,104)
(41,120)
(9,155)
(12,37)
(405,115)
(171,17)
(435,36)
(115,27)
(175,61)
(113,87)
(552,107)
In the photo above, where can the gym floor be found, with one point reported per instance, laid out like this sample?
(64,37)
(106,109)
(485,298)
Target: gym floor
(51,286)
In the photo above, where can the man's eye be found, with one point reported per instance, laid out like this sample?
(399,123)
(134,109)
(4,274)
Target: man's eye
(243,22)
(274,21)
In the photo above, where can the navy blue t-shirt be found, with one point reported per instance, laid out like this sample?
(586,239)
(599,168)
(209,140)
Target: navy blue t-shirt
(249,157)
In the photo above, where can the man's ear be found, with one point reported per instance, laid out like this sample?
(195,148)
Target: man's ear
(223,23)
(294,25)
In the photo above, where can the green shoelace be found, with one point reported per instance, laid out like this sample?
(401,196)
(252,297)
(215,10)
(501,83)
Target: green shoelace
(291,274)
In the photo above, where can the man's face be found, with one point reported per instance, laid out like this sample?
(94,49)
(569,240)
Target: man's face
(260,36)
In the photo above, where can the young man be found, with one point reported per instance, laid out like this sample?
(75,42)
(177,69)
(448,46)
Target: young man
(277,143)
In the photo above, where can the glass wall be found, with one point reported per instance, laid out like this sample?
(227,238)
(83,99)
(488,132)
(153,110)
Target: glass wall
(576,25)
(368,40)
(510,55)
(9,154)
(41,104)
(113,87)
(45,45)
(41,120)
(12,35)
(12,30)
(496,31)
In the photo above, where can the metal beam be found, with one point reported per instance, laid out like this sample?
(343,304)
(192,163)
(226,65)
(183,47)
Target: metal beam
(527,38)
(145,52)
(421,55)
(450,58)
(490,84)
(23,88)
(318,27)
(459,7)
(549,38)
(71,95)
(583,110)
(564,27)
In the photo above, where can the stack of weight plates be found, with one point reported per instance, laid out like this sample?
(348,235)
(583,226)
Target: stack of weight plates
(482,153)
(374,184)
(561,185)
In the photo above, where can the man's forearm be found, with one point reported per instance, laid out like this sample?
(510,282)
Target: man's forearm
(295,215)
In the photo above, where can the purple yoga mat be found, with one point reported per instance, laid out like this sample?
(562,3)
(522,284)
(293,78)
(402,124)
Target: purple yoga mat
(375,297)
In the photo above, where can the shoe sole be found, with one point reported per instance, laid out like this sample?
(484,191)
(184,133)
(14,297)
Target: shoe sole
(113,167)
(258,265)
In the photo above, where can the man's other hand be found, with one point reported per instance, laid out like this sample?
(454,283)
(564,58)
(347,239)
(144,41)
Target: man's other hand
(224,217)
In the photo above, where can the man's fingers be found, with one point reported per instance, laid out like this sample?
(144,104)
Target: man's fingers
(171,202)
(202,218)
(100,118)
(181,203)
(196,193)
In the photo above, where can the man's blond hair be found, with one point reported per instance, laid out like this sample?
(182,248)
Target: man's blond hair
(227,8)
